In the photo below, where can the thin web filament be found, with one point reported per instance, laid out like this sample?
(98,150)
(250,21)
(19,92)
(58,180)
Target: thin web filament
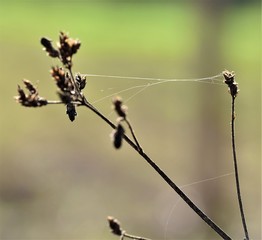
(153,81)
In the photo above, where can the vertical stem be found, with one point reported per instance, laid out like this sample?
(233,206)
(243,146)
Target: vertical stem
(76,88)
(236,169)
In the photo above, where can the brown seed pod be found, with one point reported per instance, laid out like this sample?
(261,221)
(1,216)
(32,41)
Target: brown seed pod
(115,226)
(117,135)
(119,107)
(71,111)
(48,47)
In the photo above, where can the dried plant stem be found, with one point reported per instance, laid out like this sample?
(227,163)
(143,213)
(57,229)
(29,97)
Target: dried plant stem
(54,102)
(133,135)
(116,229)
(125,235)
(77,90)
(67,47)
(236,169)
(71,95)
(136,147)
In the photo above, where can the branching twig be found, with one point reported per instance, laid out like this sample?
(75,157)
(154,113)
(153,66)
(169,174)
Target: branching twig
(133,135)
(193,206)
(121,111)
(116,229)
(70,93)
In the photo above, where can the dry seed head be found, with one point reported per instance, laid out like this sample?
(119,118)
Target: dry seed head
(22,96)
(67,47)
(115,226)
(230,81)
(119,108)
(29,86)
(81,81)
(62,78)
(118,135)
(57,73)
(48,47)
(73,44)
(71,111)
(229,76)
(32,99)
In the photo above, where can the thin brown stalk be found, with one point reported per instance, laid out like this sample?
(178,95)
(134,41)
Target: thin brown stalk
(126,235)
(133,135)
(241,208)
(233,90)
(190,203)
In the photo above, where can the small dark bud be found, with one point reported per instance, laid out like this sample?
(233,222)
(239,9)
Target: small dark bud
(48,47)
(234,89)
(22,96)
(71,111)
(46,42)
(62,78)
(117,136)
(114,226)
(78,78)
(81,81)
(119,108)
(29,86)
(230,81)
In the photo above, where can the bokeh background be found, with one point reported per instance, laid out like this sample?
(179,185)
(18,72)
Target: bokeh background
(60,180)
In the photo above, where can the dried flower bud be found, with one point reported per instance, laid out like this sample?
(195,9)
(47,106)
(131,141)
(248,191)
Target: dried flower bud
(229,77)
(29,86)
(62,78)
(73,44)
(71,111)
(48,47)
(67,47)
(32,99)
(115,226)
(22,96)
(119,108)
(117,136)
(81,81)
(230,81)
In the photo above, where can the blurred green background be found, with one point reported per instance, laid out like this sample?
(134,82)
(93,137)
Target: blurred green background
(60,180)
